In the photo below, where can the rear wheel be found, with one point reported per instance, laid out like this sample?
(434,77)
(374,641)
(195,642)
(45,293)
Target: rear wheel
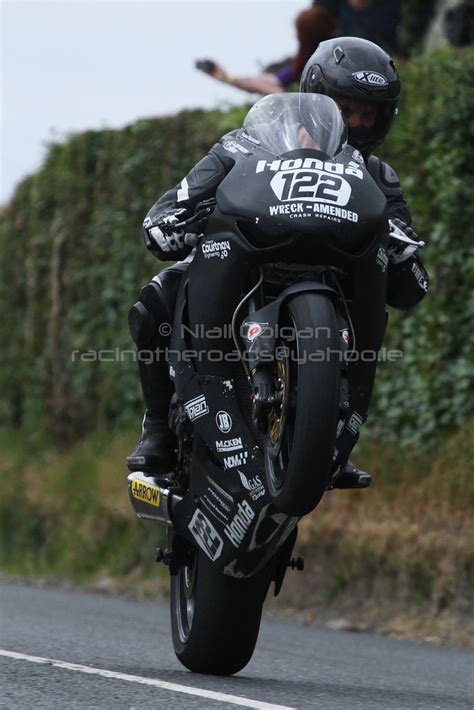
(301,431)
(215,618)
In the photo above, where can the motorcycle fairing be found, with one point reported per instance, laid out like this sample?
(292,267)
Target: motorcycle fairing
(336,204)
(227,510)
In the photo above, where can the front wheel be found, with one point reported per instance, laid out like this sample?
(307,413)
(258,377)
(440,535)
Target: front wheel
(301,431)
(215,619)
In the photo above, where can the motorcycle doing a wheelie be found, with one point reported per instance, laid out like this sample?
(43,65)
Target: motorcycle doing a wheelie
(292,261)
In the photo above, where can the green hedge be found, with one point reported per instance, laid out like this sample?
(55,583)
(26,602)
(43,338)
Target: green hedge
(432,389)
(72,261)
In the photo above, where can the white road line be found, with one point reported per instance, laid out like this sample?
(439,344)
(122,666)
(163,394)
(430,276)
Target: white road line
(209,694)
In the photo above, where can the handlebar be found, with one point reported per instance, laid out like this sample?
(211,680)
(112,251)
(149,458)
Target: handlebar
(203,211)
(402,237)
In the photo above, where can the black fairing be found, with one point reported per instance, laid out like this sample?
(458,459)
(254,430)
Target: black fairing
(325,203)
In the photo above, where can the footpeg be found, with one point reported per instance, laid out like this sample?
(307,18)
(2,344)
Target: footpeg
(353,479)
(165,557)
(297,564)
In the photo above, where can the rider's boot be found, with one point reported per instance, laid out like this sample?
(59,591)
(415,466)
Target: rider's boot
(155,452)
(352,477)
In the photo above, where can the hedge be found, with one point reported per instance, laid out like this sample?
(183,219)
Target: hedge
(72,262)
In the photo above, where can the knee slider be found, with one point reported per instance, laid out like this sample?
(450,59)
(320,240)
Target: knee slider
(147,315)
(141,324)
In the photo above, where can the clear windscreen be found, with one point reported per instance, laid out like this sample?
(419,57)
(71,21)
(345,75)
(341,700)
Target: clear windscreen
(285,122)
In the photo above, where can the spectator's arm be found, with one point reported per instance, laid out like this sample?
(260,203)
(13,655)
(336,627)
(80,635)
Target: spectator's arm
(259,84)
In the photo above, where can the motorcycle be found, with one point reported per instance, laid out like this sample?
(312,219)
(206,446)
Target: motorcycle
(304,226)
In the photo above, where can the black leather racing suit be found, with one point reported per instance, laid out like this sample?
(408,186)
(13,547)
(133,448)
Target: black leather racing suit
(406,285)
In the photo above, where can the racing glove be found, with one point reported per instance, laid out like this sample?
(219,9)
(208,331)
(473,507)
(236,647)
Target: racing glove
(403,241)
(163,237)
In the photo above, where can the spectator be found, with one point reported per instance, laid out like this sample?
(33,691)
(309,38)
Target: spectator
(459,24)
(375,20)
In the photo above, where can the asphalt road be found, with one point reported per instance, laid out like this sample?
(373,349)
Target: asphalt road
(115,652)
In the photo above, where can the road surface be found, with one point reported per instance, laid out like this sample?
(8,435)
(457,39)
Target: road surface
(63,649)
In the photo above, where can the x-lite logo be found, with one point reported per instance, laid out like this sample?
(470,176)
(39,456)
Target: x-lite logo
(370,77)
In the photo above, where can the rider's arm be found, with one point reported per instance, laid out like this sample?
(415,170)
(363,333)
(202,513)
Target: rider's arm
(199,184)
(407,281)
(387,180)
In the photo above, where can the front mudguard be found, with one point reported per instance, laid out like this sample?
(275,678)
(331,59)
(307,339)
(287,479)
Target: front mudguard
(260,330)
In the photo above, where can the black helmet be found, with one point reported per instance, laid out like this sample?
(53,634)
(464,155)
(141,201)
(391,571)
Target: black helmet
(359,70)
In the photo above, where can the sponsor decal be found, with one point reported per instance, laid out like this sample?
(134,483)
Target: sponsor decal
(253,485)
(370,78)
(299,209)
(419,276)
(234,147)
(309,164)
(196,407)
(225,494)
(239,525)
(225,506)
(253,330)
(225,445)
(335,214)
(206,535)
(216,506)
(210,507)
(344,333)
(146,493)
(235,460)
(223,421)
(382,259)
(250,138)
(354,423)
(296,208)
(212,249)
(357,156)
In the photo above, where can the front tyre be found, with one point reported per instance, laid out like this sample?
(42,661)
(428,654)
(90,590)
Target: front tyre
(215,619)
(301,432)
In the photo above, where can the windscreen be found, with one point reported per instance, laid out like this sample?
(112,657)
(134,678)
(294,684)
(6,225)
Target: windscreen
(285,122)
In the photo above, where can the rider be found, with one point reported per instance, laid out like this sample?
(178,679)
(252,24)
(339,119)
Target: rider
(364,82)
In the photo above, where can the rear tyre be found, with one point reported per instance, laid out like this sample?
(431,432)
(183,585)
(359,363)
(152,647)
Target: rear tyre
(215,619)
(299,445)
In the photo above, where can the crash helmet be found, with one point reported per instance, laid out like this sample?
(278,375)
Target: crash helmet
(360,70)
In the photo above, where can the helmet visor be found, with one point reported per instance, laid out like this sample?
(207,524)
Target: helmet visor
(285,122)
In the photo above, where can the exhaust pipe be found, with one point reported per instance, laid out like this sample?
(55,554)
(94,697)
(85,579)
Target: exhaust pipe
(151,500)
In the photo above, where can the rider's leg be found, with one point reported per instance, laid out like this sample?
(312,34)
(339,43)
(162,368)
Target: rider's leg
(155,450)
(369,320)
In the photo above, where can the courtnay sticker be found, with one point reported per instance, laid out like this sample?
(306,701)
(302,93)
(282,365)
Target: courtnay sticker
(146,493)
